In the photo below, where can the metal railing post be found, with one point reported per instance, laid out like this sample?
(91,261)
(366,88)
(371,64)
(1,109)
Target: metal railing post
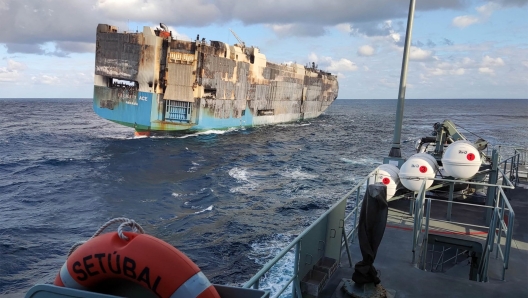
(296,269)
(346,246)
(493,177)
(450,204)
(426,232)
(356,214)
(517,158)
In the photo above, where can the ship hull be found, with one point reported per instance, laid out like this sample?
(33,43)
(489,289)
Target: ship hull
(150,82)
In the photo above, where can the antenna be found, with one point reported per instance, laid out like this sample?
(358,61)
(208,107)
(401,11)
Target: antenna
(395,151)
(240,42)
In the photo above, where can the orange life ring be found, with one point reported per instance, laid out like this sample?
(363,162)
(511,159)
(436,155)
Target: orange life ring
(142,259)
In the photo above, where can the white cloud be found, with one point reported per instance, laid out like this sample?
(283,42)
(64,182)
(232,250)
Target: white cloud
(486,70)
(525,63)
(46,79)
(342,65)
(313,57)
(464,21)
(420,54)
(484,13)
(437,72)
(303,30)
(335,66)
(11,72)
(487,9)
(366,50)
(8,77)
(468,62)
(344,27)
(13,65)
(395,36)
(488,61)
(458,71)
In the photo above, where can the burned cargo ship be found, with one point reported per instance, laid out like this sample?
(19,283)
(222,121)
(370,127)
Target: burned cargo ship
(152,82)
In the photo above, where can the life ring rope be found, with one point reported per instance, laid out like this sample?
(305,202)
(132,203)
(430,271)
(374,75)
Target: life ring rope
(124,223)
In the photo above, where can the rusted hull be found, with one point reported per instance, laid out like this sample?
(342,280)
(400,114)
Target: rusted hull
(152,82)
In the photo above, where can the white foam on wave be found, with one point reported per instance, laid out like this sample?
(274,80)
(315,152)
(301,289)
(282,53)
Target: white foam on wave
(208,132)
(175,194)
(139,137)
(242,175)
(294,124)
(282,271)
(298,174)
(361,161)
(193,168)
(210,208)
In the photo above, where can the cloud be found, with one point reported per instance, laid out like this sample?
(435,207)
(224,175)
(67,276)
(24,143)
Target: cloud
(71,24)
(332,65)
(4,5)
(365,50)
(12,71)
(464,21)
(458,71)
(485,11)
(431,44)
(370,29)
(24,48)
(75,47)
(487,61)
(448,42)
(344,27)
(46,79)
(420,54)
(342,65)
(13,65)
(297,30)
(486,70)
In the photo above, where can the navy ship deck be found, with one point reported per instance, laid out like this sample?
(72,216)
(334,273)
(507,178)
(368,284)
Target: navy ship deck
(399,275)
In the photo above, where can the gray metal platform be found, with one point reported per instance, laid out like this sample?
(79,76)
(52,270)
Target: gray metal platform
(398,274)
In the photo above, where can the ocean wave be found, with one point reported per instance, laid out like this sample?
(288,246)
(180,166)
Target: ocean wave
(210,208)
(361,161)
(196,134)
(300,124)
(265,250)
(242,175)
(193,168)
(298,174)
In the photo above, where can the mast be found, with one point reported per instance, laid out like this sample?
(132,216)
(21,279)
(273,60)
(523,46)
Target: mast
(396,144)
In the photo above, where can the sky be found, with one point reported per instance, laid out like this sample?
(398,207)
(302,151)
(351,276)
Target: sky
(460,48)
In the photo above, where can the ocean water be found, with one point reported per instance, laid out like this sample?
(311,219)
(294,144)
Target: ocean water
(229,199)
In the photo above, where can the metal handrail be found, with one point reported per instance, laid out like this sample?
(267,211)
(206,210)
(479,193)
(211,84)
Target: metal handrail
(421,217)
(254,281)
(496,227)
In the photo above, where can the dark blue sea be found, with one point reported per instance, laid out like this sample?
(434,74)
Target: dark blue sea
(228,199)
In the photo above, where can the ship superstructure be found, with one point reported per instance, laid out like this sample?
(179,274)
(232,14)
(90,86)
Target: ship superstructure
(153,82)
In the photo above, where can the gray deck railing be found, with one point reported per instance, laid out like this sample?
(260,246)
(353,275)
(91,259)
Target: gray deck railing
(295,244)
(500,225)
